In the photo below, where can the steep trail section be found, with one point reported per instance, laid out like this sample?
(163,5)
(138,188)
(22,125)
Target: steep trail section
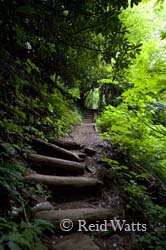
(70,171)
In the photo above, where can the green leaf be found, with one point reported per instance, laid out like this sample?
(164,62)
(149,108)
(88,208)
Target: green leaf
(143,176)
(13,246)
(163,35)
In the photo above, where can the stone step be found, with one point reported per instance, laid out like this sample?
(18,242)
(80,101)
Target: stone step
(75,242)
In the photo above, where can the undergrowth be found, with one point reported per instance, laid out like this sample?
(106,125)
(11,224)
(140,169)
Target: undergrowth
(21,118)
(138,163)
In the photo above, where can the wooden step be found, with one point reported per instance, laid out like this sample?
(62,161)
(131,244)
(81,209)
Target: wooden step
(52,165)
(88,116)
(70,145)
(87,120)
(88,214)
(63,181)
(50,149)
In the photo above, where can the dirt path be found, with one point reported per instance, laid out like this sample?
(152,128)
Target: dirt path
(86,196)
(85,133)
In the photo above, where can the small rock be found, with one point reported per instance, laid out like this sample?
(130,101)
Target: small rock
(77,242)
(43,206)
(91,169)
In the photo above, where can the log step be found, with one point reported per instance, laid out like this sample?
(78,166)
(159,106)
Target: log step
(87,214)
(70,145)
(88,116)
(88,119)
(54,164)
(64,181)
(50,149)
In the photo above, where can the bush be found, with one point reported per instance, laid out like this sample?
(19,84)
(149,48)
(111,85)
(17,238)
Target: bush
(22,236)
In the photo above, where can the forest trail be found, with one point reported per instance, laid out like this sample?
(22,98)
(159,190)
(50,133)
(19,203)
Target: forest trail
(86,132)
(72,172)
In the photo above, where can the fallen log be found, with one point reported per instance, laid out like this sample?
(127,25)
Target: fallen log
(50,149)
(63,181)
(71,145)
(54,164)
(87,214)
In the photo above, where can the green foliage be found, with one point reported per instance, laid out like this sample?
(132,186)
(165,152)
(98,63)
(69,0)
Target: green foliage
(151,241)
(11,176)
(136,125)
(24,235)
(61,113)
(136,136)
(123,172)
